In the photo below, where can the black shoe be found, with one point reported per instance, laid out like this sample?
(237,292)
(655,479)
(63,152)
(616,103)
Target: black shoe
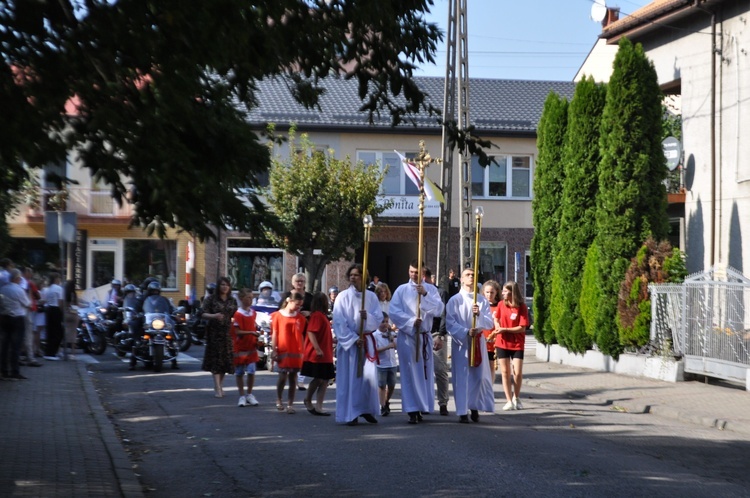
(443,410)
(174,366)
(474,416)
(369,418)
(301,388)
(353,422)
(387,408)
(419,416)
(413,418)
(18,377)
(383,411)
(464,419)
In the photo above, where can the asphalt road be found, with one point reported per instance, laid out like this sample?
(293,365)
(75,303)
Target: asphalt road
(184,442)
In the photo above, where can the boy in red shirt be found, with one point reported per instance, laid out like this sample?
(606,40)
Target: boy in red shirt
(245,342)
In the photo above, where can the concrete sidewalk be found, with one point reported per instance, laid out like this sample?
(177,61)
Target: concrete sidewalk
(56,440)
(719,406)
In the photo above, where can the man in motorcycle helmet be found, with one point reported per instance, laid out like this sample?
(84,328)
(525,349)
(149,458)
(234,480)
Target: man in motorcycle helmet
(115,294)
(152,289)
(332,293)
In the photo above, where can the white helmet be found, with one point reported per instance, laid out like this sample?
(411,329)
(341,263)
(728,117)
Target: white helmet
(265,284)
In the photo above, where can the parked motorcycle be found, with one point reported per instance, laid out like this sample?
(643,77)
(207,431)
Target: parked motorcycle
(263,322)
(157,340)
(90,336)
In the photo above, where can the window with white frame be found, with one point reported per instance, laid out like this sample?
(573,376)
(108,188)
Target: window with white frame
(508,177)
(395,181)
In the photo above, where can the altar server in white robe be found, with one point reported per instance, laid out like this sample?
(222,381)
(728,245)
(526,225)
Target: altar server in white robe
(356,396)
(417,377)
(472,386)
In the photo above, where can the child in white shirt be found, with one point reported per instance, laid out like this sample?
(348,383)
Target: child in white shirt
(385,342)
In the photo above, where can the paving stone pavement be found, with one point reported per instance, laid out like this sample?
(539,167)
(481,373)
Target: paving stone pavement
(723,407)
(56,440)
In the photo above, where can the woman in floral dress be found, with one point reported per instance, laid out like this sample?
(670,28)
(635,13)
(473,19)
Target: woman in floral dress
(219,309)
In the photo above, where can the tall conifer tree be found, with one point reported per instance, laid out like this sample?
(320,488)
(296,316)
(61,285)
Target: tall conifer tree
(631,204)
(578,219)
(548,186)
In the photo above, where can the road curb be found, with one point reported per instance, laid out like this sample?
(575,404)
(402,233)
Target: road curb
(126,478)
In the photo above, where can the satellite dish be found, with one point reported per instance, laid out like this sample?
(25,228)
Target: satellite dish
(598,11)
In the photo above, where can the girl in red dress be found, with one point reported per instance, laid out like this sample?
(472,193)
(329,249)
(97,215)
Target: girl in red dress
(318,358)
(511,320)
(287,329)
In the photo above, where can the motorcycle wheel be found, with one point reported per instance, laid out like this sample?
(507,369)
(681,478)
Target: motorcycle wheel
(158,357)
(185,341)
(98,345)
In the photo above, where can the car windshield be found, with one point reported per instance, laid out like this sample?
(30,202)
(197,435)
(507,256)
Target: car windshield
(156,304)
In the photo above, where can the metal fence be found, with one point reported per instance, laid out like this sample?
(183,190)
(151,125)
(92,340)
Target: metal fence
(706,320)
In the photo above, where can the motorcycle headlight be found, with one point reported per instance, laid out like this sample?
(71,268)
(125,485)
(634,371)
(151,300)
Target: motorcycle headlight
(102,310)
(158,324)
(92,317)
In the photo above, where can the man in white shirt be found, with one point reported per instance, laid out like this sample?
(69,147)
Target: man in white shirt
(53,311)
(14,305)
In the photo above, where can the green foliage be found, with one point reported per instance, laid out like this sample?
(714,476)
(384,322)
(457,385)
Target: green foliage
(317,203)
(548,190)
(632,198)
(654,263)
(585,328)
(161,90)
(578,220)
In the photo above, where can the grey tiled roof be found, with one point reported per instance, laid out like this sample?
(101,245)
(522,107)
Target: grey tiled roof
(501,107)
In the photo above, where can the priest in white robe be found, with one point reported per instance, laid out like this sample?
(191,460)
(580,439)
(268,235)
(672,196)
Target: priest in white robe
(472,386)
(417,375)
(356,396)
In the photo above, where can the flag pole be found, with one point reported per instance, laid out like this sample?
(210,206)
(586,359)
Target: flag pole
(367,222)
(478,214)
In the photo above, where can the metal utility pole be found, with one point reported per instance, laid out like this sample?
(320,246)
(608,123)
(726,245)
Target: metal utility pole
(455,108)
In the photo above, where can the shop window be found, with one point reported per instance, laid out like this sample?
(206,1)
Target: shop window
(151,258)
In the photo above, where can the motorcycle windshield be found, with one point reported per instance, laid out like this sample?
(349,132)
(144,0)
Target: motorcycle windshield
(130,302)
(156,304)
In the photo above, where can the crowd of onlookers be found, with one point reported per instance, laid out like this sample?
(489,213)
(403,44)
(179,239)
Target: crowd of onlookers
(32,309)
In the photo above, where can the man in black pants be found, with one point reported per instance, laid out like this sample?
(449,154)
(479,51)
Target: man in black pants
(53,314)
(14,304)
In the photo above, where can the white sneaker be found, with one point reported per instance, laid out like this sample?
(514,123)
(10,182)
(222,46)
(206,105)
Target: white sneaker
(508,406)
(517,404)
(251,400)
(242,401)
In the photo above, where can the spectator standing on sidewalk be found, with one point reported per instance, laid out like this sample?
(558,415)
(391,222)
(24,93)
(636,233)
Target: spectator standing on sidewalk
(472,385)
(245,340)
(356,396)
(31,343)
(53,316)
(511,320)
(14,305)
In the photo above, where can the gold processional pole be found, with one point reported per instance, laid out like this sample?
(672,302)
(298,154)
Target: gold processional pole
(422,160)
(367,222)
(478,214)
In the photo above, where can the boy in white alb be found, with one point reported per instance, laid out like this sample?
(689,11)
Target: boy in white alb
(385,342)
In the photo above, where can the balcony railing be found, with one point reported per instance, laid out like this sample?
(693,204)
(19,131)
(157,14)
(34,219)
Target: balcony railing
(83,201)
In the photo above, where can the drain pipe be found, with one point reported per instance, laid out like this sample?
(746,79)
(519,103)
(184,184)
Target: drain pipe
(714,52)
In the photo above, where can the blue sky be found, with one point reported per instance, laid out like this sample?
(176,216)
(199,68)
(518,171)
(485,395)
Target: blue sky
(525,39)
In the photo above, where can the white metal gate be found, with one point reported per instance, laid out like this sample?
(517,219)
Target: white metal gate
(706,319)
